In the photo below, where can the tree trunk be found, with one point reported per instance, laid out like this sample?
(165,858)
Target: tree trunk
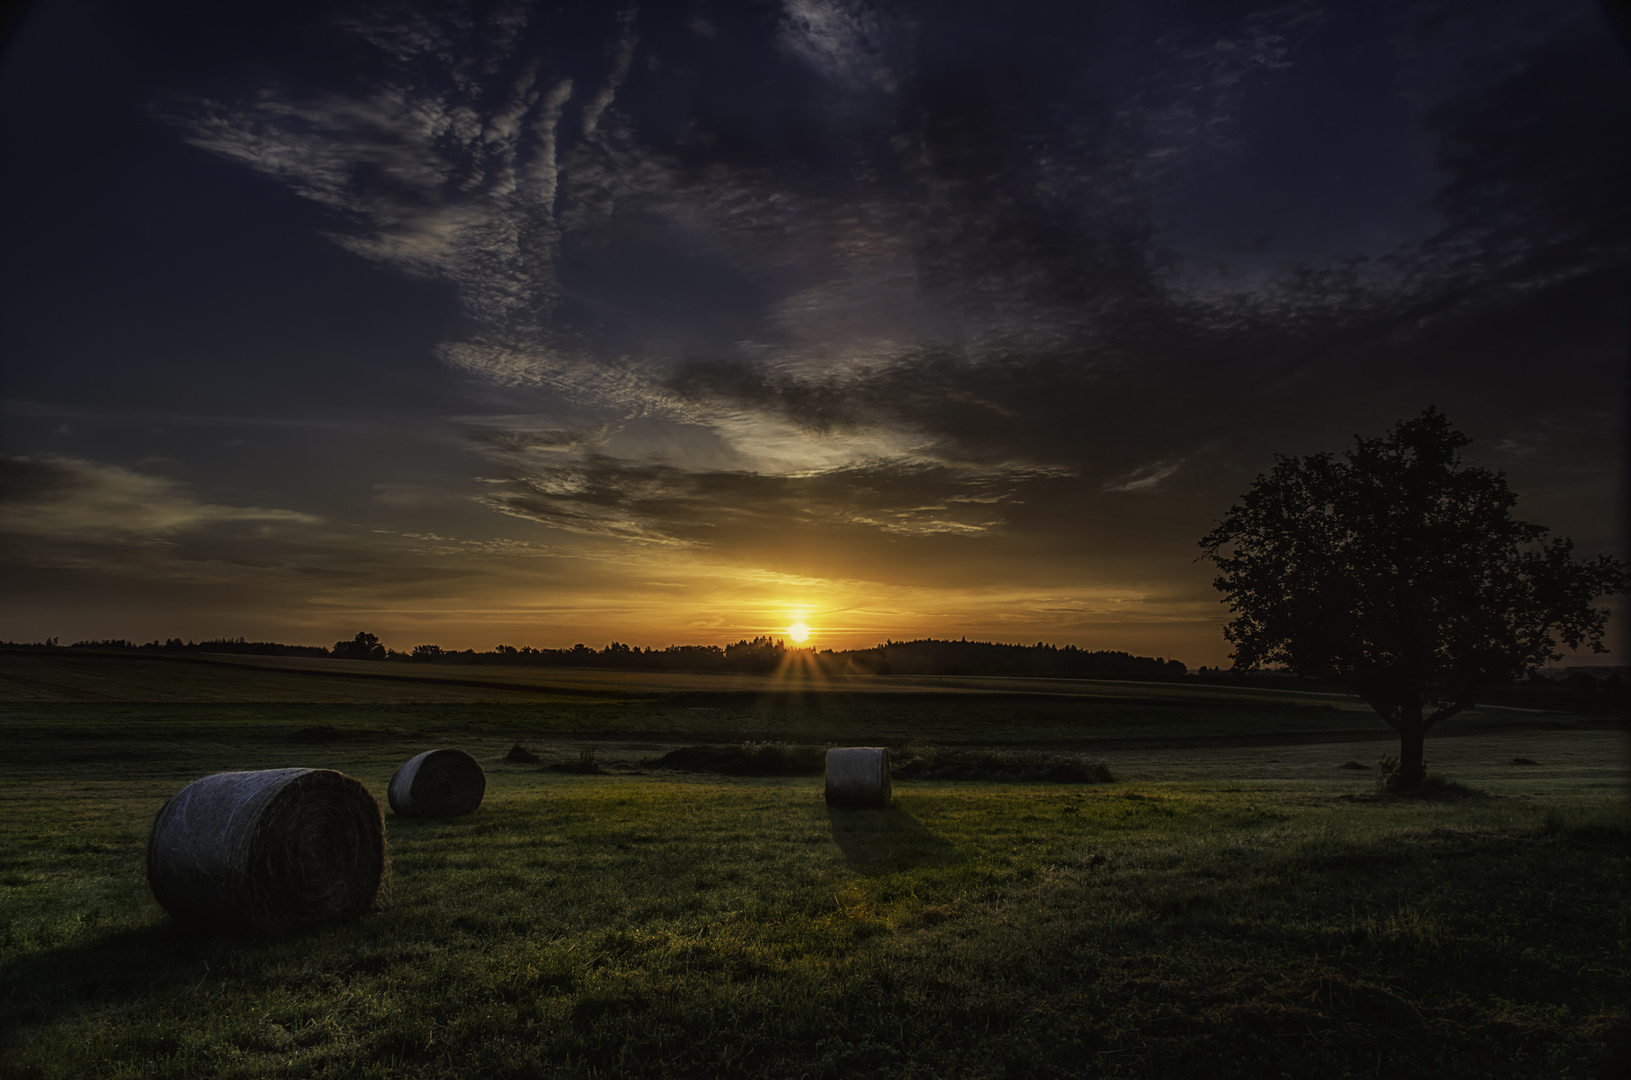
(1412,764)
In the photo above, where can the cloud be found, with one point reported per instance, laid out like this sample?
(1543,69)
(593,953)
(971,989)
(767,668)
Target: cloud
(978,274)
(550,440)
(659,503)
(45,496)
(619,71)
(1145,478)
(452,177)
(847,41)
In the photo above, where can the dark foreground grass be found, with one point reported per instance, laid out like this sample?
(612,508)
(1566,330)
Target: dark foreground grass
(694,925)
(640,926)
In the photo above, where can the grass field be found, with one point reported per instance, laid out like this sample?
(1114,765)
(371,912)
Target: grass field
(1236,904)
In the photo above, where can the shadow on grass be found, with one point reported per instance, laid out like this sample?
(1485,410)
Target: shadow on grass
(876,842)
(156,966)
(116,969)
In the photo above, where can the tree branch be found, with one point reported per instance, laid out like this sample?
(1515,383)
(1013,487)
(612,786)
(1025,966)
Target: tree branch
(1387,717)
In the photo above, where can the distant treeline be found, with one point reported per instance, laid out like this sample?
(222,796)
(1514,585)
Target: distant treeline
(764,654)
(216,645)
(761,654)
(1577,687)
(934,657)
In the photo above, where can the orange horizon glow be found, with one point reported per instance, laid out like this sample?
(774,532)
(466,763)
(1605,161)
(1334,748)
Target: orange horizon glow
(694,605)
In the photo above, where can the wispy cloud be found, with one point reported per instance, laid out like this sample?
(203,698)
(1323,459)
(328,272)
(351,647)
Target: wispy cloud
(603,97)
(849,41)
(740,510)
(1144,478)
(45,496)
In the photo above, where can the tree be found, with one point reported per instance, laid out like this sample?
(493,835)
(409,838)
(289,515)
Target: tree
(364,646)
(1404,576)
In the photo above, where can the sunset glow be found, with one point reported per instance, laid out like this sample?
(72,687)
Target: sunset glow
(814,319)
(815,536)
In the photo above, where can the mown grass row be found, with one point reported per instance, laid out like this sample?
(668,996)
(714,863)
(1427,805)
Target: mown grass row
(160,736)
(649,927)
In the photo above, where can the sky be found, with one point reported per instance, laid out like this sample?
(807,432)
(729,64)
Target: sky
(666,323)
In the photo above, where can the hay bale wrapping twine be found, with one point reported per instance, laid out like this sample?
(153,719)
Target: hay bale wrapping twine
(438,784)
(858,776)
(274,849)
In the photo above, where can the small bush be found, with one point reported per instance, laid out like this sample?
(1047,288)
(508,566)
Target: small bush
(1432,785)
(1387,775)
(520,755)
(1353,765)
(746,759)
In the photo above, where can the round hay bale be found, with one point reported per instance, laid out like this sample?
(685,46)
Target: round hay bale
(438,784)
(271,850)
(858,776)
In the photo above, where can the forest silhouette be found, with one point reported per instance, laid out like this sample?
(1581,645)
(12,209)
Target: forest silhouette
(927,656)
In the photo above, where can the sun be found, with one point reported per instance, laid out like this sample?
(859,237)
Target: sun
(799,633)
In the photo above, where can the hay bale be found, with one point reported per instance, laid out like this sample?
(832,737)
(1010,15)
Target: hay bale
(858,776)
(272,850)
(438,784)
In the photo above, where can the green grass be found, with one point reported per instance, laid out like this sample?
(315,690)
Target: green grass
(100,675)
(1246,909)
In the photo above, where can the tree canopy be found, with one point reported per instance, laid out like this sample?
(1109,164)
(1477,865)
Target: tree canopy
(364,646)
(1402,574)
